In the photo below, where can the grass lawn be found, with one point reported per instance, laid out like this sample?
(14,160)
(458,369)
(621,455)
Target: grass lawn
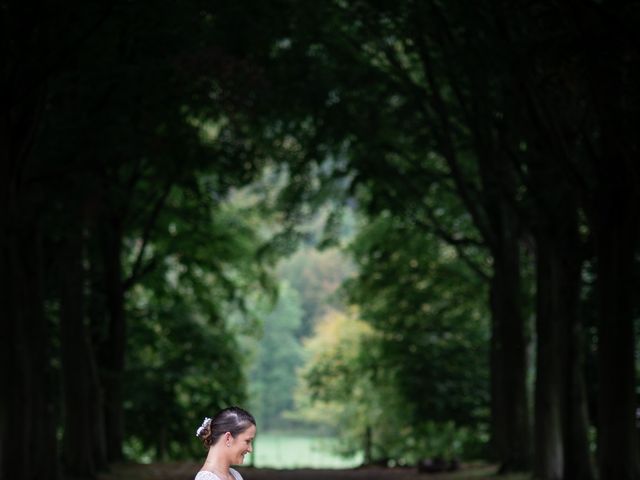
(272,450)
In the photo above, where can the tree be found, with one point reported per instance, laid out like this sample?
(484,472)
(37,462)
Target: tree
(340,386)
(460,85)
(401,116)
(277,356)
(573,100)
(109,109)
(316,275)
(432,319)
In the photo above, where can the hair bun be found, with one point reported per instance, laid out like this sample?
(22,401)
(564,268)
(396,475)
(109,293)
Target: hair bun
(203,430)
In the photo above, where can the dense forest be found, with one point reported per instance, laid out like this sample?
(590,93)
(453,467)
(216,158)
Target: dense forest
(474,166)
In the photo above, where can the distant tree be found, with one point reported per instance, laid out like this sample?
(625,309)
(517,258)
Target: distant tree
(316,275)
(341,388)
(432,317)
(276,359)
(433,321)
(416,356)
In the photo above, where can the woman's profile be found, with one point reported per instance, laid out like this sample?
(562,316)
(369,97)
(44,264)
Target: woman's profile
(228,436)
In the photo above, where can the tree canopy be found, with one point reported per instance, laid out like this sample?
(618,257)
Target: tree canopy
(489,151)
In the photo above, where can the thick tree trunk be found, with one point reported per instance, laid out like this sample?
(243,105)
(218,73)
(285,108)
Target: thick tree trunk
(161,444)
(498,441)
(27,415)
(561,434)
(79,383)
(616,234)
(28,418)
(578,459)
(113,350)
(499,225)
(368,445)
(96,313)
(561,423)
(96,400)
(550,369)
(612,75)
(511,351)
(18,369)
(567,256)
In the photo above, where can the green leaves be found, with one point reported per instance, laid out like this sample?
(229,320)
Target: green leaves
(432,315)
(412,356)
(184,359)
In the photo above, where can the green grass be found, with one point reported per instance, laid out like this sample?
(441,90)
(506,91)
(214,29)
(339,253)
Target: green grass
(273,450)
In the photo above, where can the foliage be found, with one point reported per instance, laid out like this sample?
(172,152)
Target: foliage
(418,365)
(126,122)
(337,380)
(317,276)
(181,369)
(184,360)
(432,317)
(145,128)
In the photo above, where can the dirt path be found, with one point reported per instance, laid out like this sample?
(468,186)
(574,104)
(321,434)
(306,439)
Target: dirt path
(187,471)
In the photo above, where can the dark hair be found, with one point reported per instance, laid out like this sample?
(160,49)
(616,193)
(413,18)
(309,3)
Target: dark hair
(234,420)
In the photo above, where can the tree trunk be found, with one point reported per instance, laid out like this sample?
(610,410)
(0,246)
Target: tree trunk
(161,444)
(28,418)
(578,459)
(499,225)
(550,369)
(113,349)
(97,314)
(498,441)
(368,446)
(510,345)
(80,407)
(612,76)
(27,414)
(561,426)
(616,233)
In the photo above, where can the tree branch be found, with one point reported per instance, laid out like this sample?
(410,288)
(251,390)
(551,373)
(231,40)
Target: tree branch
(446,141)
(137,269)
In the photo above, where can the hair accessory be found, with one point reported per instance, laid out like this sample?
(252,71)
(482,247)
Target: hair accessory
(206,422)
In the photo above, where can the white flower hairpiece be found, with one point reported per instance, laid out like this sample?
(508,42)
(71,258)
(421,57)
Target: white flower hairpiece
(205,424)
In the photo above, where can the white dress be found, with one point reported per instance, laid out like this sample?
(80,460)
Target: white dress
(206,475)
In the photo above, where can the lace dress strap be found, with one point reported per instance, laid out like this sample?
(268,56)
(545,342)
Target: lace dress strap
(205,475)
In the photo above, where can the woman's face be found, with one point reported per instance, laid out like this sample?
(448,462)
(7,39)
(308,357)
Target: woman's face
(242,444)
